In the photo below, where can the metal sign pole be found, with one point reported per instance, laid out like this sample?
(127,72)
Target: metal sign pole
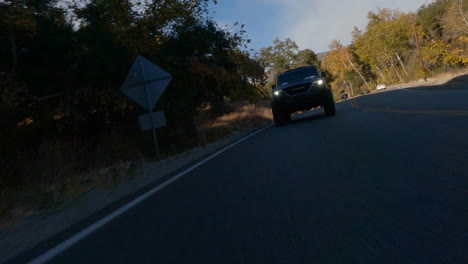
(155,138)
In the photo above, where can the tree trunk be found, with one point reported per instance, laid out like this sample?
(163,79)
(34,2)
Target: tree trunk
(14,55)
(358,72)
(462,14)
(418,47)
(351,89)
(346,84)
(385,68)
(396,71)
(381,74)
(401,63)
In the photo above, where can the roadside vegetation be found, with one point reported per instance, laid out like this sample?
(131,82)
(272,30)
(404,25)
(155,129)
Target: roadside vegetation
(62,64)
(393,48)
(398,47)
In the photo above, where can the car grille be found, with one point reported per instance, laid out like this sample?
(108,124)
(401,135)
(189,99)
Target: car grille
(298,89)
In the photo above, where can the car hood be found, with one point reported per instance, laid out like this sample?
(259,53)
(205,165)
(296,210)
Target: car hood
(294,83)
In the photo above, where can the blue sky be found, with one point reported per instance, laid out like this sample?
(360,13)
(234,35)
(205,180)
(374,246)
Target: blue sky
(312,24)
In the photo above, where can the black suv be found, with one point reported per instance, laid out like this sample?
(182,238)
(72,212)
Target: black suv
(300,89)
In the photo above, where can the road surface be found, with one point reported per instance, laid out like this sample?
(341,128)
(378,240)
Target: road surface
(384,181)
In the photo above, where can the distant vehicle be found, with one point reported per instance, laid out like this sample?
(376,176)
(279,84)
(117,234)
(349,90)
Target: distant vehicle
(300,89)
(364,91)
(381,86)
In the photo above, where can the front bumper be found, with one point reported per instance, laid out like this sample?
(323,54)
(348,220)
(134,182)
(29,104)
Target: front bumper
(312,97)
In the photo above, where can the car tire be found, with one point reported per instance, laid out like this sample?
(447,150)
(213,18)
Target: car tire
(280,117)
(329,105)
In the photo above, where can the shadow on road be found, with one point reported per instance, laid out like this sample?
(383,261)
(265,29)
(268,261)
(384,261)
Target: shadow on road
(308,116)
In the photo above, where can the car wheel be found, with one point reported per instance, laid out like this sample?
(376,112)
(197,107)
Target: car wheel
(280,117)
(329,105)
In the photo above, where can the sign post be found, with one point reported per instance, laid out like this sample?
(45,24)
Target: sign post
(145,84)
(153,129)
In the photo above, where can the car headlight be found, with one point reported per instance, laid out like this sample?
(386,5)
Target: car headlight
(319,82)
(276,93)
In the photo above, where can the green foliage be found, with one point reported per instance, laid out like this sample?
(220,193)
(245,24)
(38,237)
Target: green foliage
(431,17)
(388,33)
(387,50)
(344,67)
(455,22)
(282,56)
(285,55)
(446,25)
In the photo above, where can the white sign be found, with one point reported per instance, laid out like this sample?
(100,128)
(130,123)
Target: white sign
(152,120)
(145,83)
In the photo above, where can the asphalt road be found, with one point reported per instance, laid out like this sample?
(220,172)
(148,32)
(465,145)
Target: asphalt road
(384,181)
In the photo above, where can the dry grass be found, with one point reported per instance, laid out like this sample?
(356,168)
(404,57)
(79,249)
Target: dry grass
(243,116)
(450,74)
(434,78)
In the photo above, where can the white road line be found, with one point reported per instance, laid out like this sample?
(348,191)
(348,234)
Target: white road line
(51,253)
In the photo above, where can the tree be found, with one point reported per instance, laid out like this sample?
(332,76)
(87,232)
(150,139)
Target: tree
(455,22)
(431,17)
(66,87)
(215,63)
(447,48)
(285,55)
(307,57)
(281,56)
(339,62)
(18,20)
(387,43)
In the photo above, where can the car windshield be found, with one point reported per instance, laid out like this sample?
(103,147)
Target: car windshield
(297,75)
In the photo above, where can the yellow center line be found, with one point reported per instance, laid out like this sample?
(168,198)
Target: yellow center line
(355,104)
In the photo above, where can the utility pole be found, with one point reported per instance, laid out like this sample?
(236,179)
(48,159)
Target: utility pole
(418,47)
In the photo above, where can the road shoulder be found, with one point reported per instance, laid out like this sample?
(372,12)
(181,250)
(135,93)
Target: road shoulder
(50,227)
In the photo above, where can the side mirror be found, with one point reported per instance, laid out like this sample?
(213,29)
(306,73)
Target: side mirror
(273,86)
(323,74)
